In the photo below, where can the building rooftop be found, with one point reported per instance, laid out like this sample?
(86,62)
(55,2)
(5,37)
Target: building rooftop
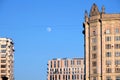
(67,58)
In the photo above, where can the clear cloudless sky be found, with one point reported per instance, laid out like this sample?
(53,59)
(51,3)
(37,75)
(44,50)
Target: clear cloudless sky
(46,29)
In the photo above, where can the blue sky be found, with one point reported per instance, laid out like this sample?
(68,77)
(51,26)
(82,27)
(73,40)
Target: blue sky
(45,29)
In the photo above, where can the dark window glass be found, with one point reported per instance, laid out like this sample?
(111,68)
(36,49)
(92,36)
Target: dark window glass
(117,38)
(94,63)
(108,78)
(117,54)
(108,62)
(108,38)
(117,46)
(94,78)
(3,71)
(54,64)
(108,46)
(117,62)
(117,77)
(117,70)
(3,51)
(3,46)
(94,40)
(108,70)
(3,61)
(117,30)
(94,48)
(94,71)
(94,56)
(3,66)
(108,54)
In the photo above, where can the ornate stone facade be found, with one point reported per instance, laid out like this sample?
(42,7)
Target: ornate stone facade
(102,45)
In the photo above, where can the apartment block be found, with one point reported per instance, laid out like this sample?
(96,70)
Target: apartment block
(65,69)
(102,45)
(6,58)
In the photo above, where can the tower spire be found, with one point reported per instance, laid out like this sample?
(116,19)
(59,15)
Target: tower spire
(86,15)
(94,10)
(103,9)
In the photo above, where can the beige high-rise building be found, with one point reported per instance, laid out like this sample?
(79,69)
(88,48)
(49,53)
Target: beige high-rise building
(66,69)
(102,45)
(6,58)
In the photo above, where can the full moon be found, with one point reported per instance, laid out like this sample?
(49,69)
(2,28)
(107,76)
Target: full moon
(49,29)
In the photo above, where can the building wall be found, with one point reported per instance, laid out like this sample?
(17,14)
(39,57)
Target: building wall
(102,45)
(6,58)
(66,69)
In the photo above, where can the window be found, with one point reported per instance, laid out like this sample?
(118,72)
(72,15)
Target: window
(117,46)
(64,69)
(3,61)
(3,71)
(3,55)
(72,62)
(94,48)
(108,62)
(78,62)
(66,63)
(8,71)
(108,78)
(94,78)
(94,40)
(60,71)
(3,51)
(108,70)
(81,77)
(59,77)
(3,66)
(55,77)
(117,54)
(58,64)
(108,54)
(117,77)
(55,64)
(94,63)
(69,69)
(82,70)
(56,71)
(94,33)
(107,31)
(117,70)
(50,77)
(108,46)
(74,76)
(3,46)
(68,76)
(51,64)
(94,56)
(117,62)
(108,38)
(117,38)
(94,71)
(77,76)
(72,69)
(117,30)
